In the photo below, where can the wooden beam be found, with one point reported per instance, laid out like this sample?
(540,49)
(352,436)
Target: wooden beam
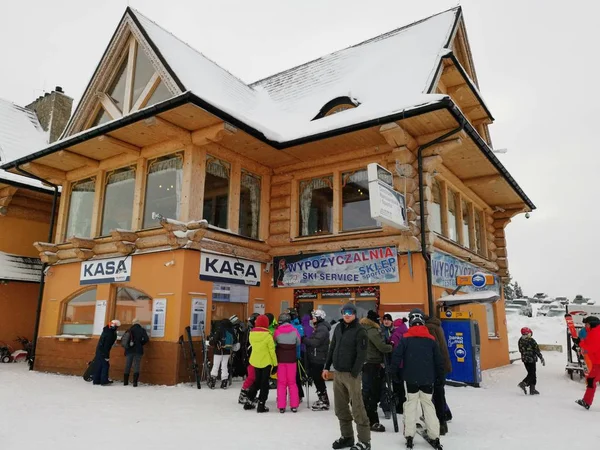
(442,147)
(125,146)
(149,89)
(170,129)
(473,109)
(192,194)
(213,133)
(459,219)
(484,121)
(109,106)
(139,194)
(129,77)
(8,191)
(98,206)
(427,138)
(265,207)
(338,220)
(75,158)
(471,212)
(460,92)
(482,180)
(46,172)
(233,221)
(396,136)
(444,207)
(63,212)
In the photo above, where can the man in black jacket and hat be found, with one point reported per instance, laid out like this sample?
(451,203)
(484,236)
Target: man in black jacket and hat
(348,352)
(105,344)
(138,337)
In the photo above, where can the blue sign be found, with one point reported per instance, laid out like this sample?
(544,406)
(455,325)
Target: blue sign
(445,268)
(478,280)
(463,352)
(448,313)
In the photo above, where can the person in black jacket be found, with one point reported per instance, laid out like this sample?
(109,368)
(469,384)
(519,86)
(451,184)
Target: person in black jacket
(423,367)
(105,343)
(348,352)
(134,351)
(316,349)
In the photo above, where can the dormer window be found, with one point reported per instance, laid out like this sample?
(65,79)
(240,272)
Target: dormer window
(337,105)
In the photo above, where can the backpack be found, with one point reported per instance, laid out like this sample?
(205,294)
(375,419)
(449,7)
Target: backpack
(127,340)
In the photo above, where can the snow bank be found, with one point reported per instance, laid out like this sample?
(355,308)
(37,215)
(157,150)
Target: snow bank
(546,330)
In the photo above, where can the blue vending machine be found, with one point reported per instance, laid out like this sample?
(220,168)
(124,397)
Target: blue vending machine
(462,336)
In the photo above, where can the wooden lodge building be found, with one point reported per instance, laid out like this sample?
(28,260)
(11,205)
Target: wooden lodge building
(25,209)
(189,196)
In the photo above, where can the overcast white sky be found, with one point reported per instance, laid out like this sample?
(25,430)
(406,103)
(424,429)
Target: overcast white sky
(536,61)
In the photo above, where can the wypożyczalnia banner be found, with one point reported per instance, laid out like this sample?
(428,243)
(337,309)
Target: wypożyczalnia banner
(366,266)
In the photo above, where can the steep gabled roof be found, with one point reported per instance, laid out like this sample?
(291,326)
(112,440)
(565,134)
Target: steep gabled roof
(19,268)
(20,134)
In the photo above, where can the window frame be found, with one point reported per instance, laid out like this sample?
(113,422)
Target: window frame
(351,172)
(230,188)
(102,207)
(260,196)
(148,163)
(68,204)
(298,212)
(494,319)
(65,304)
(112,304)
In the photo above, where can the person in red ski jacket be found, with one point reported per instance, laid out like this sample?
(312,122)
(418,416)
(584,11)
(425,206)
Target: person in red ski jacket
(591,345)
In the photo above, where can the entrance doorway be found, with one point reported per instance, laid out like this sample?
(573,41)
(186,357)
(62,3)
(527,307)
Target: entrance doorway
(224,310)
(332,300)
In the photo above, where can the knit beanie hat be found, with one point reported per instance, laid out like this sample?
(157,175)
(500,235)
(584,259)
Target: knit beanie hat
(262,321)
(387,317)
(372,315)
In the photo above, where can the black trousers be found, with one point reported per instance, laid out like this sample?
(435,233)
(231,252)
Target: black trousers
(439,401)
(261,383)
(531,378)
(316,373)
(371,389)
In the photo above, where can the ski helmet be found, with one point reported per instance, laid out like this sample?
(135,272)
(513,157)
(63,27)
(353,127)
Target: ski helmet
(593,321)
(284,318)
(234,320)
(319,314)
(271,318)
(115,323)
(293,312)
(416,317)
(526,330)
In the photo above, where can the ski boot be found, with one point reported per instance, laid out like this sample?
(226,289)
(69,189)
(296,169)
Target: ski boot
(583,404)
(409,442)
(532,390)
(136,377)
(243,397)
(250,404)
(294,410)
(343,442)
(322,404)
(261,408)
(523,386)
(387,415)
(126,379)
(224,384)
(377,427)
(281,410)
(443,428)
(212,381)
(361,446)
(435,443)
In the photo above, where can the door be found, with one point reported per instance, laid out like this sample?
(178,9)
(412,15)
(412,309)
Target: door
(224,310)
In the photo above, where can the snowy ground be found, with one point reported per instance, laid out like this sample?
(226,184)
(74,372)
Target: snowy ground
(52,412)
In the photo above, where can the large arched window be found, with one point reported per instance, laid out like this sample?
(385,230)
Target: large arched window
(436,208)
(132,304)
(79,313)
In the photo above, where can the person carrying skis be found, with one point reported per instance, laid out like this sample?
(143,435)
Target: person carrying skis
(138,337)
(251,376)
(263,359)
(434,325)
(317,345)
(101,360)
(348,352)
(372,371)
(422,367)
(222,343)
(287,344)
(591,345)
(530,352)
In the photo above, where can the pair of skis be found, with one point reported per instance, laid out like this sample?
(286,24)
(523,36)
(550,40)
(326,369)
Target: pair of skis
(389,389)
(195,366)
(423,433)
(573,332)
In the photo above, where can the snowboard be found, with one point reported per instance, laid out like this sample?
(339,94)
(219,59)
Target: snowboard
(188,332)
(573,332)
(88,374)
(423,433)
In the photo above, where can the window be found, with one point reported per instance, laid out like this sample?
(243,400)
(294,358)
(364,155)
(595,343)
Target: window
(490,313)
(160,94)
(465,224)
(79,314)
(356,209)
(435,208)
(117,89)
(478,232)
(249,205)
(132,304)
(452,233)
(118,200)
(216,192)
(80,208)
(163,189)
(316,206)
(143,72)
(338,109)
(101,118)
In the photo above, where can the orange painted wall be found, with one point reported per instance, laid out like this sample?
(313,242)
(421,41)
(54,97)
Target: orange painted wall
(17,311)
(18,235)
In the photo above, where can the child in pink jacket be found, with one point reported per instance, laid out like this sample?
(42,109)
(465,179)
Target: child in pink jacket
(287,341)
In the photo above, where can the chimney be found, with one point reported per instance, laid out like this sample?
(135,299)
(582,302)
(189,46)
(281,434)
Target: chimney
(53,110)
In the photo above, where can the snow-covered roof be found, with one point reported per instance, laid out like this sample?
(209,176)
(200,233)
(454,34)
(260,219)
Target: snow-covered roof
(20,134)
(19,268)
(387,74)
(484,296)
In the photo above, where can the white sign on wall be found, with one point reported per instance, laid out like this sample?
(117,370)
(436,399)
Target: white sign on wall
(99,317)
(387,205)
(198,316)
(159,316)
(230,270)
(259,308)
(103,271)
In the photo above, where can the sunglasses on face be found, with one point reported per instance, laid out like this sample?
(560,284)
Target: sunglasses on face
(347,312)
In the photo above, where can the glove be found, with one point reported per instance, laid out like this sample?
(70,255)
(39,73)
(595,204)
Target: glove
(543,362)
(273,370)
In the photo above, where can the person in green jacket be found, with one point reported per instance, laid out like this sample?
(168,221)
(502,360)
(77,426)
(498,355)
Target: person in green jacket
(372,372)
(263,359)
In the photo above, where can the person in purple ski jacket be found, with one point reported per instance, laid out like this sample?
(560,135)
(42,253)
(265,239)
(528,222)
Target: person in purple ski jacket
(399,329)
